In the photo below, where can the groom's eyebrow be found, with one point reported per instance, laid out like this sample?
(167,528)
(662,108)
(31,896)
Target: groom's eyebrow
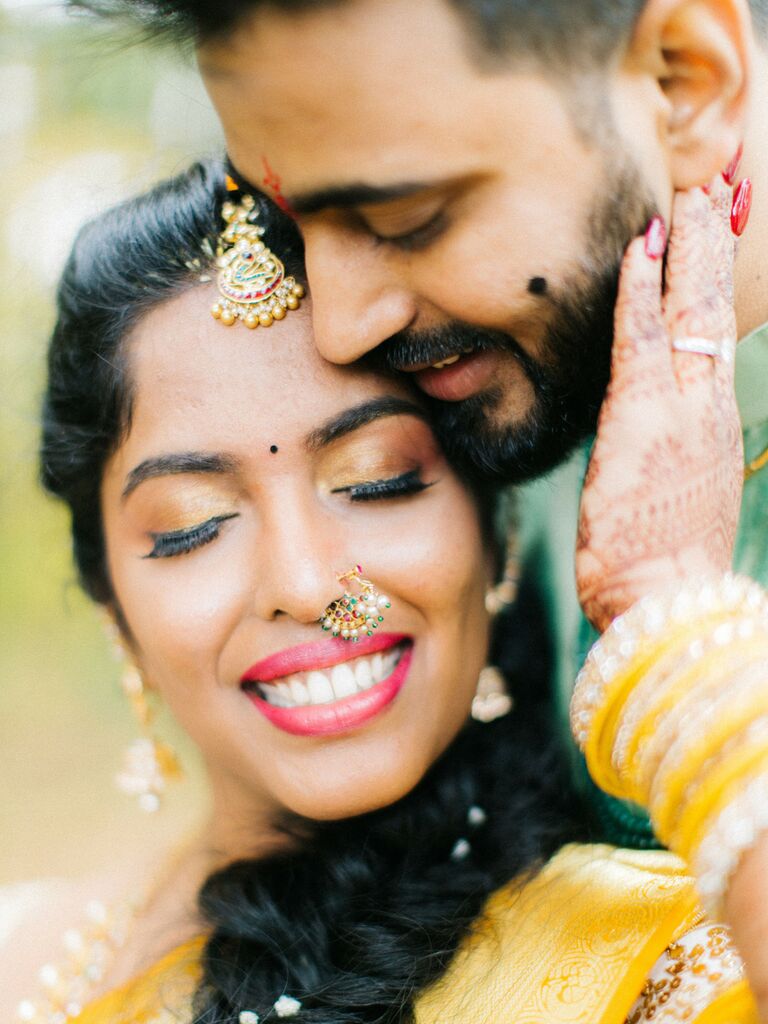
(360,416)
(344,197)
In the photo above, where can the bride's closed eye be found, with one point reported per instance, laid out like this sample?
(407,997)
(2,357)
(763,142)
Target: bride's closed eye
(181,542)
(391,487)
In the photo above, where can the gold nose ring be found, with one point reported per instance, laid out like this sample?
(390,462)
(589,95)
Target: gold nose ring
(357,613)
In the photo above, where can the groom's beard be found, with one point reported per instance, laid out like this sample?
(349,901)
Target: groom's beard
(570,378)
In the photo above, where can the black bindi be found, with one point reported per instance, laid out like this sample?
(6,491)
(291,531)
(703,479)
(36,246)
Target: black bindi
(538,286)
(273,449)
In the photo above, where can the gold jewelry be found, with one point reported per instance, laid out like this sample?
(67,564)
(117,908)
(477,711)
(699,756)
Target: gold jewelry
(492,699)
(671,710)
(756,465)
(251,279)
(148,764)
(504,593)
(90,952)
(355,614)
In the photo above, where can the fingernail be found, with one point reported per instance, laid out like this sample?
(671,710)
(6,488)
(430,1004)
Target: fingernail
(730,172)
(656,238)
(706,189)
(742,205)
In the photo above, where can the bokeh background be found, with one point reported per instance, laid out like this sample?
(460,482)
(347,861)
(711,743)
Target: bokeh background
(87,117)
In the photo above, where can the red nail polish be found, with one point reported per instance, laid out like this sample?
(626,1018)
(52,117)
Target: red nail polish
(656,238)
(742,205)
(730,172)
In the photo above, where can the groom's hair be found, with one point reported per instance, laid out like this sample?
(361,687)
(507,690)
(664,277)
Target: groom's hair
(559,33)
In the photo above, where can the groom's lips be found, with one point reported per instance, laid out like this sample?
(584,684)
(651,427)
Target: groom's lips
(471,375)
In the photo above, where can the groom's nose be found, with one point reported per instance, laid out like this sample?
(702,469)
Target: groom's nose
(358,300)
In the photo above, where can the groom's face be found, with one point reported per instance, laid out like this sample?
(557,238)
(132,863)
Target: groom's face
(448,210)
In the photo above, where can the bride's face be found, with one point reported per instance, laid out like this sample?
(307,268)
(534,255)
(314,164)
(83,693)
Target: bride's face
(251,475)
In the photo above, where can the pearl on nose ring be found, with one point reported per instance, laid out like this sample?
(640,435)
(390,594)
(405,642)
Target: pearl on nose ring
(355,614)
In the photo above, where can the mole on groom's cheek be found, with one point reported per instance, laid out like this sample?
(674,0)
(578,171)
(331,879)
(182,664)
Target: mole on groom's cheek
(538,286)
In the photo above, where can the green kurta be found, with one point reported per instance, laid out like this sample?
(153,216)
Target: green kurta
(548,510)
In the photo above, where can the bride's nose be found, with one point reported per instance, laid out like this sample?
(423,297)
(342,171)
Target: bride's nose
(299,563)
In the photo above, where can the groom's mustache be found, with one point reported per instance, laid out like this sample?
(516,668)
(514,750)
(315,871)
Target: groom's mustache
(408,350)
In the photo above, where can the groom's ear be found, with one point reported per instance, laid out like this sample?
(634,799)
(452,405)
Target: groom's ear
(699,52)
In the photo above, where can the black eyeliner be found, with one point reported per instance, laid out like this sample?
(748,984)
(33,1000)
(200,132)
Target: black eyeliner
(179,542)
(394,487)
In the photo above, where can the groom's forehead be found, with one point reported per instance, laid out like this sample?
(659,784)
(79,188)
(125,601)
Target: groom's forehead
(344,101)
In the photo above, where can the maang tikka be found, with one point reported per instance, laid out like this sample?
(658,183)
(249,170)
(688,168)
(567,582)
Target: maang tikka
(251,279)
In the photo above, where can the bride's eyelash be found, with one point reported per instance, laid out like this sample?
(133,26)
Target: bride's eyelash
(394,487)
(180,542)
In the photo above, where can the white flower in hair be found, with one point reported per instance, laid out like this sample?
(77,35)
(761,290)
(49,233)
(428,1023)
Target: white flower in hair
(287,1006)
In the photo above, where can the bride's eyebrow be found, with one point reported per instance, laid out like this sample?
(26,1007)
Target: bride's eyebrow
(360,416)
(177,463)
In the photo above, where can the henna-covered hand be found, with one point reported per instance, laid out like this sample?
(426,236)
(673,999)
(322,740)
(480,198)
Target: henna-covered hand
(663,490)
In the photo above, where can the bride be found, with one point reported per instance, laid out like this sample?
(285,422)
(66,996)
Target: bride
(293,567)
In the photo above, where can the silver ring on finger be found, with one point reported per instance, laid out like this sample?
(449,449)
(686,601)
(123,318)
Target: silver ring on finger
(722,349)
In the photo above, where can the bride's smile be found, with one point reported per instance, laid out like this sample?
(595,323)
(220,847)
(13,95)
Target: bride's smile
(328,688)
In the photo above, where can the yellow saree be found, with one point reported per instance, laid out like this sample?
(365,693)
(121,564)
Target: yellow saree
(577,944)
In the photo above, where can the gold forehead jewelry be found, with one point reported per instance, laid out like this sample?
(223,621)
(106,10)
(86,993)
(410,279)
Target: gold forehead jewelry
(355,614)
(251,279)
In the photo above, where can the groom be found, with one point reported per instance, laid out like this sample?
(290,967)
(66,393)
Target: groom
(467,175)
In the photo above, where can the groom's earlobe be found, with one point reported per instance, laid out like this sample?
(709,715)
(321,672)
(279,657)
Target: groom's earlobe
(700,53)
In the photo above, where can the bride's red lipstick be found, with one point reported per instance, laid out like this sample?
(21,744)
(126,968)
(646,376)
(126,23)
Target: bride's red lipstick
(319,655)
(336,716)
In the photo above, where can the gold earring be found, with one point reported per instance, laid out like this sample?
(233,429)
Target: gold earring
(355,614)
(504,593)
(148,764)
(492,699)
(251,279)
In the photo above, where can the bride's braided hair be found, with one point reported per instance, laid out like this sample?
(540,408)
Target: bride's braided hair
(364,913)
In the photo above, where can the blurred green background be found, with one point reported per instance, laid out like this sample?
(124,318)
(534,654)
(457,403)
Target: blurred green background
(86,118)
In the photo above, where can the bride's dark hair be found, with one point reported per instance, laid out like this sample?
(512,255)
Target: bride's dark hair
(362,914)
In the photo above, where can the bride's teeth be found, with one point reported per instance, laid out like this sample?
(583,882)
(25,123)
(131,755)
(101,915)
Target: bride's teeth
(273,696)
(390,660)
(335,683)
(377,667)
(299,692)
(320,689)
(363,674)
(343,681)
(446,362)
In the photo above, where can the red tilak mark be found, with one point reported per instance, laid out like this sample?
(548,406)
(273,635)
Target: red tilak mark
(272,182)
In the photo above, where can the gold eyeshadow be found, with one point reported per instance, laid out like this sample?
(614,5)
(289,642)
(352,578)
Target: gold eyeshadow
(383,450)
(183,506)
